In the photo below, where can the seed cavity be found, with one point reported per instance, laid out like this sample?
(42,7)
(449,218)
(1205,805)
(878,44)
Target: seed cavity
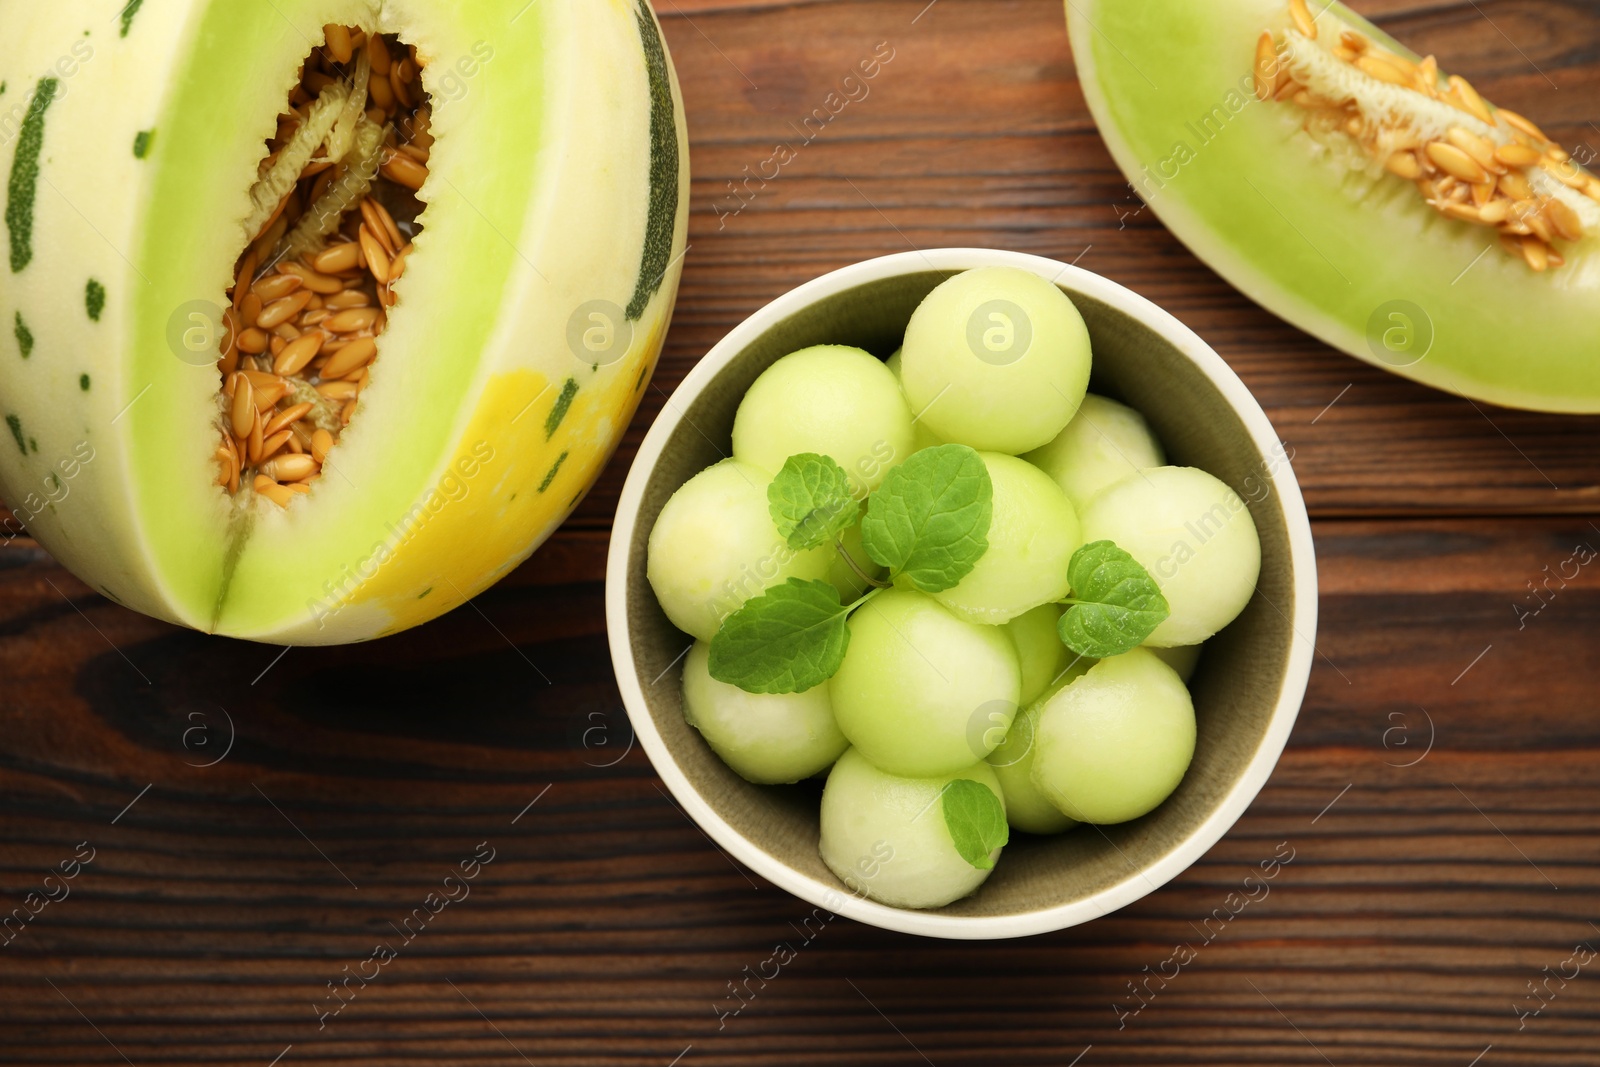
(24,184)
(329,235)
(1470,162)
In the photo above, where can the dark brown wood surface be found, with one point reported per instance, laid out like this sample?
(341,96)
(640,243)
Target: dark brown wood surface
(1439,795)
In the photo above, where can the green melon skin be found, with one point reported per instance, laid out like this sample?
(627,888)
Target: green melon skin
(1331,250)
(129,140)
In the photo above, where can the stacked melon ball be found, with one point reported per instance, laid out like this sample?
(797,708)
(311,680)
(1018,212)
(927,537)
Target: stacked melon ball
(942,695)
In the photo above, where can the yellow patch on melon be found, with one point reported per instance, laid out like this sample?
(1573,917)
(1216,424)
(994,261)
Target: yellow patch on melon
(487,512)
(474,523)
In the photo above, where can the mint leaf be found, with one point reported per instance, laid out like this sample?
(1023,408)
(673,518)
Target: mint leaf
(929,520)
(1115,602)
(787,640)
(976,820)
(810,501)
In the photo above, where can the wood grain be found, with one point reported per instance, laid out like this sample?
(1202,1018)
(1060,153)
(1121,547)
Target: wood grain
(1438,794)
(1404,930)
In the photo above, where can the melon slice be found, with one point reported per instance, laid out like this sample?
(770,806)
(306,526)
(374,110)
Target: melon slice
(1356,190)
(322,314)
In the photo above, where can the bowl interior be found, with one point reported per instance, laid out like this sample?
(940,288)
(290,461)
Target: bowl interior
(1237,685)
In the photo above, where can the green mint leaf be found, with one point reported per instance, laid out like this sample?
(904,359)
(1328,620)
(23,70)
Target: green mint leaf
(1115,602)
(929,520)
(976,820)
(811,502)
(787,640)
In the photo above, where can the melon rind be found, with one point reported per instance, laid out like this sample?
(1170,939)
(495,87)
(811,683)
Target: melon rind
(558,180)
(1331,249)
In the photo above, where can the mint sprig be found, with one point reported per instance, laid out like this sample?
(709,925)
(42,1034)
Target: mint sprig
(976,820)
(810,501)
(787,640)
(1115,604)
(929,520)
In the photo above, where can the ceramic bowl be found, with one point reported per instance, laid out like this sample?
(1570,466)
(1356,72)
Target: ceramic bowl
(1247,690)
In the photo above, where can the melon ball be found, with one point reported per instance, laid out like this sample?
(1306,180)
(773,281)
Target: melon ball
(831,400)
(767,738)
(1027,808)
(1040,652)
(1115,743)
(1103,444)
(1196,538)
(1181,658)
(920,691)
(714,546)
(922,437)
(1032,537)
(885,836)
(996,358)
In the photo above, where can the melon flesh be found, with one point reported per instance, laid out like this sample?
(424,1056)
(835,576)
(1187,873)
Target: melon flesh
(1321,238)
(558,185)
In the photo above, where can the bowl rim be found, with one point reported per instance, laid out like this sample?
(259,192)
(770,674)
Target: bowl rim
(1138,883)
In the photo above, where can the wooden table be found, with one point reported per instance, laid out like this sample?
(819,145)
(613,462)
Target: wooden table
(1439,795)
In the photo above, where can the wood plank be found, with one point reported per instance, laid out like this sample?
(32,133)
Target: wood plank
(606,930)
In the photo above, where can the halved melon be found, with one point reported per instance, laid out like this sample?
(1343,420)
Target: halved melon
(1351,188)
(326,312)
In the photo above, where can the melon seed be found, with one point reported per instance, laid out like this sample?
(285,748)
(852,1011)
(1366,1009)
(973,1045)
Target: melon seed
(1455,162)
(1516,155)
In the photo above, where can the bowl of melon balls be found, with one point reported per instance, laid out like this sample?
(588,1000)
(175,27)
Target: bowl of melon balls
(964,593)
